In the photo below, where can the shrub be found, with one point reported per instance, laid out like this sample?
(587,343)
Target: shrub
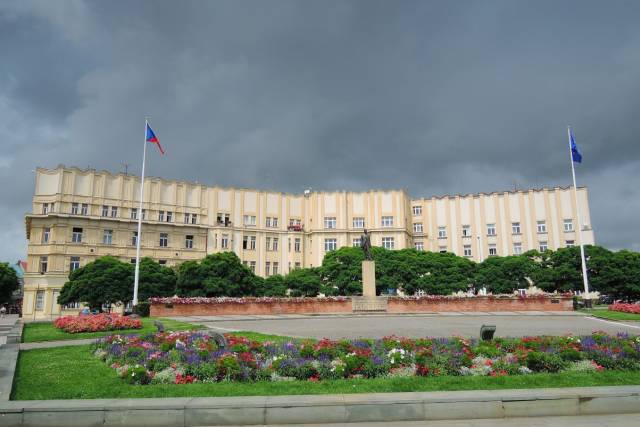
(539,361)
(142,309)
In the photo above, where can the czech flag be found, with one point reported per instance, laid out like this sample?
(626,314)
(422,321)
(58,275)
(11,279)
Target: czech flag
(151,137)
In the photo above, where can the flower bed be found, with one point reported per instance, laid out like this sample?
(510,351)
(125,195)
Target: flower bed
(243,300)
(187,357)
(96,323)
(626,308)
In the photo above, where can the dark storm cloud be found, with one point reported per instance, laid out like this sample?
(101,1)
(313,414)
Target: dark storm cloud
(435,97)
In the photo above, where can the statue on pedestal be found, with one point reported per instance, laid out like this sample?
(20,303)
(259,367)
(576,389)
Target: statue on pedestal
(365,244)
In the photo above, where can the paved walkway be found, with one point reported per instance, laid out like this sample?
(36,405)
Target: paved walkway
(6,323)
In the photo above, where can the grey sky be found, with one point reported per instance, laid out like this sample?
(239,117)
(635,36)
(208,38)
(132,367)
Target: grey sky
(435,97)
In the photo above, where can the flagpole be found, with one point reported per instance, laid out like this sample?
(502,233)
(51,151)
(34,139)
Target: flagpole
(139,236)
(585,280)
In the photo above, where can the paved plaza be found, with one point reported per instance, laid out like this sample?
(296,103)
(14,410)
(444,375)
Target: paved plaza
(508,324)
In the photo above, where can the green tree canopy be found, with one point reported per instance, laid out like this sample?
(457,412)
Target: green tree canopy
(220,274)
(305,282)
(272,286)
(155,280)
(8,282)
(503,275)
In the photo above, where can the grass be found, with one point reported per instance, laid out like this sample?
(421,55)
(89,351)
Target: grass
(41,331)
(73,373)
(611,315)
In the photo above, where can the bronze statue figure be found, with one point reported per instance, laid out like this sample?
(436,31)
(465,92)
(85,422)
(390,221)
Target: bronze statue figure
(365,244)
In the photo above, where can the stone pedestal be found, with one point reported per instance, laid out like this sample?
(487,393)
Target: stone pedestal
(368,278)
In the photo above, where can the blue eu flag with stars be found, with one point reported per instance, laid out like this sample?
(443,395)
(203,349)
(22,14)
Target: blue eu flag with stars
(575,153)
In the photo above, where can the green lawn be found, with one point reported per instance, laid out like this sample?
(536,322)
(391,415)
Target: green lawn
(42,331)
(73,373)
(611,315)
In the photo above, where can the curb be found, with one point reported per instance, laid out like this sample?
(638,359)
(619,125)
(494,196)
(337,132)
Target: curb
(323,409)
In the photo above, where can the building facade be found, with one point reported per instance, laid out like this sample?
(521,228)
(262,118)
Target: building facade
(79,215)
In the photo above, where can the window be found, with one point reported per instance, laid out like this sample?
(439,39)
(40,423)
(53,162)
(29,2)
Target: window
(164,240)
(85,209)
(74,264)
(517,248)
(387,221)
(275,244)
(249,242)
(271,222)
(442,249)
(295,222)
(356,242)
(358,222)
(543,246)
(161,216)
(144,214)
(493,250)
(194,218)
(162,261)
(107,237)
(388,243)
(267,268)
(296,265)
(542,227)
(223,218)
(467,250)
(442,232)
(419,246)
(276,266)
(252,266)
(46,234)
(268,243)
(417,210)
(40,300)
(330,222)
(330,245)
(569,243)
(134,213)
(169,216)
(75,208)
(515,228)
(491,229)
(114,211)
(47,207)
(134,238)
(186,218)
(417,227)
(249,220)
(466,231)
(44,262)
(224,241)
(296,244)
(105,210)
(188,241)
(76,235)
(568,225)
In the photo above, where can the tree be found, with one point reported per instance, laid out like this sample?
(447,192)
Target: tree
(155,280)
(437,273)
(8,282)
(305,282)
(220,274)
(503,275)
(272,286)
(342,270)
(103,281)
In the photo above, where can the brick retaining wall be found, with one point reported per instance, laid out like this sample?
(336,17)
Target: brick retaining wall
(298,307)
(397,305)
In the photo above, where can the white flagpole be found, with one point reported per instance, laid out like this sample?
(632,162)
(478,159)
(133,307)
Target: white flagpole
(585,280)
(139,237)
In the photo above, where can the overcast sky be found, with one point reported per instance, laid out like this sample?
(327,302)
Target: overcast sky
(436,97)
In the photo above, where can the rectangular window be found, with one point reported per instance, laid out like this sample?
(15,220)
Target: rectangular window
(274,224)
(388,243)
(267,268)
(224,241)
(169,216)
(114,211)
(330,245)
(85,209)
(194,218)
(249,220)
(466,231)
(493,249)
(188,241)
(491,229)
(417,210)
(356,242)
(186,218)
(46,234)
(144,214)
(252,266)
(162,261)
(44,262)
(267,243)
(515,228)
(417,227)
(296,244)
(268,222)
(387,221)
(467,251)
(542,227)
(442,232)
(297,265)
(164,240)
(419,246)
(134,213)
(134,238)
(517,248)
(76,235)
(329,222)
(252,243)
(543,246)
(107,237)
(570,243)
(40,300)
(442,249)
(245,242)
(74,264)
(75,209)
(568,225)
(223,219)
(161,216)
(275,243)
(276,267)
(45,208)
(358,222)
(105,210)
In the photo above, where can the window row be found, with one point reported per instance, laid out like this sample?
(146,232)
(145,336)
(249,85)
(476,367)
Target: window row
(541,227)
(331,244)
(77,234)
(330,222)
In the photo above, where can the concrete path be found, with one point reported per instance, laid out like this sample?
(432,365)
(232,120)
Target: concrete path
(508,324)
(6,324)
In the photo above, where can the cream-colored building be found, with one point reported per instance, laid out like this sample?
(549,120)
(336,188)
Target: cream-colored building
(79,215)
